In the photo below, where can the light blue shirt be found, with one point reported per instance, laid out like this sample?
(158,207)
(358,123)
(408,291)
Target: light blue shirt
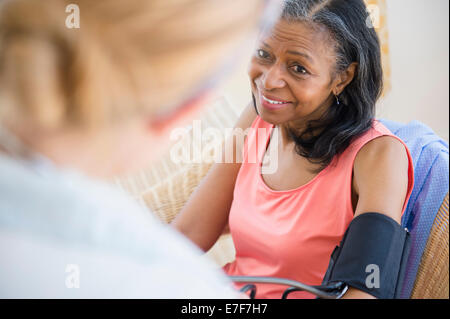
(64,235)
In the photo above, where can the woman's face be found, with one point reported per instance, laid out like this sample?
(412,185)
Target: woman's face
(291,73)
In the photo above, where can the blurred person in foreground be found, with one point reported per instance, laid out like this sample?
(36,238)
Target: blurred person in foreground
(78,106)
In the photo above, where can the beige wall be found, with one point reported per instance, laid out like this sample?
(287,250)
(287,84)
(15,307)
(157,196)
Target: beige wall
(419,55)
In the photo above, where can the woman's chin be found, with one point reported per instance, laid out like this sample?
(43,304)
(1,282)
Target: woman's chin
(271,118)
(274,117)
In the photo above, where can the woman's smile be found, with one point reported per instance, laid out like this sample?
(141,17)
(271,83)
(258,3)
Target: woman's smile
(273,103)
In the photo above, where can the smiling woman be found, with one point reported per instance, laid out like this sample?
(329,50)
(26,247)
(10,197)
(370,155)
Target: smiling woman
(323,64)
(315,77)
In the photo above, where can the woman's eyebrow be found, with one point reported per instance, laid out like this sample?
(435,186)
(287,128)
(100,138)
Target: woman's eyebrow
(306,56)
(302,54)
(266,45)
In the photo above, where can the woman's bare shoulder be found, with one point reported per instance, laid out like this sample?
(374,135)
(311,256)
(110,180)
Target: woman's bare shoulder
(381,176)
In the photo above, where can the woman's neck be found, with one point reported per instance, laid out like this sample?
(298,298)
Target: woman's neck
(300,125)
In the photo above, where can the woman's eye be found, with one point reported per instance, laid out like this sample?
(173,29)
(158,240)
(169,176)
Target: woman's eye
(299,69)
(262,54)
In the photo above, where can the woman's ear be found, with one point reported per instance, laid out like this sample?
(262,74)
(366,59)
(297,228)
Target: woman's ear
(344,78)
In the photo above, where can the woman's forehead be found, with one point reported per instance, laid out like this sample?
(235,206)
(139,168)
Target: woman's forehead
(301,34)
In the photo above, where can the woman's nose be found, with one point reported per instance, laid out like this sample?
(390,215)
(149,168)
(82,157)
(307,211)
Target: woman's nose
(273,78)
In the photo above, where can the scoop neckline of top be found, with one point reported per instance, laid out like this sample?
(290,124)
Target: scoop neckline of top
(261,179)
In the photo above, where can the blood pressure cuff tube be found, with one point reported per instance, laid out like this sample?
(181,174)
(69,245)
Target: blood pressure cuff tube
(371,257)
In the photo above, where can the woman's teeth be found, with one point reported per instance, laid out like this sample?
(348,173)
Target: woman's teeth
(273,102)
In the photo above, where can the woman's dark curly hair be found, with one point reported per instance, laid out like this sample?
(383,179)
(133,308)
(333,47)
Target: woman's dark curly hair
(356,41)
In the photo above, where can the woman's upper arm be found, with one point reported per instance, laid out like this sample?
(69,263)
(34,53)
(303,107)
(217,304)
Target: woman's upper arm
(205,215)
(381,182)
(381,177)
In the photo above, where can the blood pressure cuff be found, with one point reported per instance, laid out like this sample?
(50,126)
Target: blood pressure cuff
(371,257)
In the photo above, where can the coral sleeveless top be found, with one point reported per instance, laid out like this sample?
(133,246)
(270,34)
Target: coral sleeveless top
(291,234)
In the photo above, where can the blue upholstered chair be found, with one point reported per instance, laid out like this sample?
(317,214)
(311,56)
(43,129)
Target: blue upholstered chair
(426,215)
